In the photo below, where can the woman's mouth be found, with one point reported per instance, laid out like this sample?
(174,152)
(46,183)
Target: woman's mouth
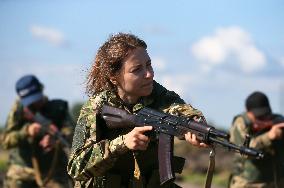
(150,84)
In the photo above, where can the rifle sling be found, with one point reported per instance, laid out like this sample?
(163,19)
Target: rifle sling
(137,178)
(38,177)
(211,167)
(37,173)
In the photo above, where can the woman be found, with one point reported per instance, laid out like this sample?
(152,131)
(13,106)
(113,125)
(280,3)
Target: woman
(122,76)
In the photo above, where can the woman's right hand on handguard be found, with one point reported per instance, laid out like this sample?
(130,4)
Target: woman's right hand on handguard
(136,140)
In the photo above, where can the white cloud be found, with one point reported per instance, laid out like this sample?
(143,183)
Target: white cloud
(231,42)
(174,82)
(158,63)
(48,34)
(282,61)
(251,59)
(209,49)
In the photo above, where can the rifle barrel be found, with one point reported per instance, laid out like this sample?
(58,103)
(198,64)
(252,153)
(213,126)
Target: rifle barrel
(240,149)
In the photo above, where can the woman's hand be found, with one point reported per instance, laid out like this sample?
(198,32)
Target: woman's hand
(136,140)
(191,138)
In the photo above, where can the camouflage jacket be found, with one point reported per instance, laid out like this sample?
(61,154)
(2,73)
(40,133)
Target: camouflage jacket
(99,153)
(268,169)
(22,147)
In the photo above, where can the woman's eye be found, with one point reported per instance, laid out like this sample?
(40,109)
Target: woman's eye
(135,70)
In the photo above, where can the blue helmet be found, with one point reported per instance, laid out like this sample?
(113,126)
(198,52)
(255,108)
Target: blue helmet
(29,89)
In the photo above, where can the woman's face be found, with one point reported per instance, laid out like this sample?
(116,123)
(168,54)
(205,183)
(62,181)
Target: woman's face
(135,79)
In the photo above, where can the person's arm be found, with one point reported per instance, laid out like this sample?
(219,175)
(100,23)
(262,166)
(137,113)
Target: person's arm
(88,157)
(170,102)
(239,131)
(261,142)
(185,110)
(188,111)
(15,130)
(265,141)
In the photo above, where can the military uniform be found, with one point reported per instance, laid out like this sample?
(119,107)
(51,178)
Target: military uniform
(27,160)
(251,173)
(99,156)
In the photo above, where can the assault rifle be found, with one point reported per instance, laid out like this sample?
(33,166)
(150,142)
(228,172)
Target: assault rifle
(56,109)
(167,126)
(45,123)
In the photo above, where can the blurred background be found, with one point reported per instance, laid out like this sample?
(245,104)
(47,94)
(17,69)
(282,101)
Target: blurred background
(212,53)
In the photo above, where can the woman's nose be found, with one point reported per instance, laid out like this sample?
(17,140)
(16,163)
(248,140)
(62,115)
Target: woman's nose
(149,73)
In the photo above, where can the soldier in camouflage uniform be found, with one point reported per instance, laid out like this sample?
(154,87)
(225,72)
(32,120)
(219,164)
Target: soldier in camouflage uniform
(122,76)
(36,158)
(269,171)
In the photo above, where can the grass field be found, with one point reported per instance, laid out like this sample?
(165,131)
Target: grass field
(219,179)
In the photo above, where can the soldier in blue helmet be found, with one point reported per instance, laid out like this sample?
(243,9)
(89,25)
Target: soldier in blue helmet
(36,155)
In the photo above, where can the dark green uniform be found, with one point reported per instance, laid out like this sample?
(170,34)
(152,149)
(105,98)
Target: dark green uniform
(99,156)
(264,173)
(25,152)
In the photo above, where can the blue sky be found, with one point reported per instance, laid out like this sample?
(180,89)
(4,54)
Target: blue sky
(213,53)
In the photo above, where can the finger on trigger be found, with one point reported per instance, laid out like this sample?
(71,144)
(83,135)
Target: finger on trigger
(144,129)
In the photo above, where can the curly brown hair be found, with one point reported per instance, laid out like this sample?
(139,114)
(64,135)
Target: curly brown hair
(108,61)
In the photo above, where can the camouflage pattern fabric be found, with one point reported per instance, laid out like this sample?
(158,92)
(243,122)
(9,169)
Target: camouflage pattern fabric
(247,172)
(99,156)
(22,147)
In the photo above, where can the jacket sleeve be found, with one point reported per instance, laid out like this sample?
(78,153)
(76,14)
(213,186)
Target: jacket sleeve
(239,131)
(185,110)
(15,129)
(170,102)
(88,157)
